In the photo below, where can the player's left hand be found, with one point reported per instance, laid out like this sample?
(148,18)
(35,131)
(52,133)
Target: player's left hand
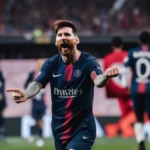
(111,72)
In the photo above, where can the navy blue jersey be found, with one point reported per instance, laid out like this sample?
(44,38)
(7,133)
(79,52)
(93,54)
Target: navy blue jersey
(38,100)
(2,91)
(139,61)
(72,91)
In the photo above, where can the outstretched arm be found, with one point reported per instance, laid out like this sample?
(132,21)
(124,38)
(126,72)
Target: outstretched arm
(101,80)
(33,89)
(21,96)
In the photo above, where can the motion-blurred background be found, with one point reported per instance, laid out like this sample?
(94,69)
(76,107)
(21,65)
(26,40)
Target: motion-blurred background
(26,34)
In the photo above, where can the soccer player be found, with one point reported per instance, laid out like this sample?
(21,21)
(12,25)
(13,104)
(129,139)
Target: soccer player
(138,60)
(2,105)
(72,75)
(38,103)
(117,87)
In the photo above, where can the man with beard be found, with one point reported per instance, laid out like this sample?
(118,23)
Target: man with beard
(72,75)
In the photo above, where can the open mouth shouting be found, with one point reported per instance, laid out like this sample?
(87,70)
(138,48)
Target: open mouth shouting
(65,46)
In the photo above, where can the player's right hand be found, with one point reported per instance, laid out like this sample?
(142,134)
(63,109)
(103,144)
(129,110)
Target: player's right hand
(112,72)
(18,95)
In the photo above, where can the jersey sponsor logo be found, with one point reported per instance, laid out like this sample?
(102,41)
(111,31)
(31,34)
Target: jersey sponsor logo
(77,73)
(56,75)
(67,93)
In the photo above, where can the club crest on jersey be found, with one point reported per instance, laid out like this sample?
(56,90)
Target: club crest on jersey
(77,73)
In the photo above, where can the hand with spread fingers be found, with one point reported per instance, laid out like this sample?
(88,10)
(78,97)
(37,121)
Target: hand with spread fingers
(111,72)
(18,95)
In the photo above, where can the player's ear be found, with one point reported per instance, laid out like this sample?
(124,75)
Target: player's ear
(77,40)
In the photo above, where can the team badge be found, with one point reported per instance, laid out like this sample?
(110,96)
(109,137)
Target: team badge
(77,73)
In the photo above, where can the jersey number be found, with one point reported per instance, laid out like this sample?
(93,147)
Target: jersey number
(143,62)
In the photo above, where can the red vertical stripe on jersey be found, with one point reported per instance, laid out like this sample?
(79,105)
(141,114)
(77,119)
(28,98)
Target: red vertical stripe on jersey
(67,123)
(142,88)
(68,72)
(68,113)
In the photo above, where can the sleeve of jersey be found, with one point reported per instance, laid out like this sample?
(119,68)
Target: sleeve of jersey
(44,75)
(127,60)
(95,68)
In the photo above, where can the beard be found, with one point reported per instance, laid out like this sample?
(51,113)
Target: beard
(65,47)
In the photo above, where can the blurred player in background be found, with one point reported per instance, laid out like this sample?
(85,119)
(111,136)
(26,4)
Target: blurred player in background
(38,103)
(2,105)
(72,75)
(138,60)
(117,88)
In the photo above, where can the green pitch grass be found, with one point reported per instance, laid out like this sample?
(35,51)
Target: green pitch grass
(16,143)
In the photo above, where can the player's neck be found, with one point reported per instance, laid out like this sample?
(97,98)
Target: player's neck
(117,50)
(73,58)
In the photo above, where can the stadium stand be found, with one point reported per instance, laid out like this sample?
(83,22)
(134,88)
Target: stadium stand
(92,17)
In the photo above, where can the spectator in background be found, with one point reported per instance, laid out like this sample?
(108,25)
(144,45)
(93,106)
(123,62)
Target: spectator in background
(2,105)
(93,17)
(138,60)
(38,104)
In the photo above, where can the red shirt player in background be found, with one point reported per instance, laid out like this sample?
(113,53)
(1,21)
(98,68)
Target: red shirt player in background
(117,87)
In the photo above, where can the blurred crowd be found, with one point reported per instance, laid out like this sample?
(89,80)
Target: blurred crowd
(92,17)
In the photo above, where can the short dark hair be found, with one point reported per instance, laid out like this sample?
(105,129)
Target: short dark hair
(145,37)
(117,41)
(64,23)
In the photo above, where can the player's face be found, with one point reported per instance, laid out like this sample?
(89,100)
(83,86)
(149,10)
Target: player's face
(66,41)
